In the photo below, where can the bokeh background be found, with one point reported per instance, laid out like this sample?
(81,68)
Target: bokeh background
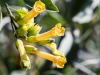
(80,44)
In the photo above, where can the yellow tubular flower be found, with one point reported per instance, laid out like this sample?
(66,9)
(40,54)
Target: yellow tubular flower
(38,8)
(25,61)
(56,31)
(54,50)
(57,60)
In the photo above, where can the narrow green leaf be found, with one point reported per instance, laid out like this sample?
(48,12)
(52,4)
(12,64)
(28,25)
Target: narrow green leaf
(0,17)
(49,4)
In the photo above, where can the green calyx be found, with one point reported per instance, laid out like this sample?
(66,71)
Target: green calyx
(23,29)
(20,14)
(31,39)
(34,30)
(30,49)
(46,41)
(25,64)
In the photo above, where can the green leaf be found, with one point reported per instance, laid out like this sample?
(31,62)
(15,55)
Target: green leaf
(51,19)
(0,18)
(22,1)
(49,4)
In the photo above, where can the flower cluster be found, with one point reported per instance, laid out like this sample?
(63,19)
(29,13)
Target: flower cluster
(27,28)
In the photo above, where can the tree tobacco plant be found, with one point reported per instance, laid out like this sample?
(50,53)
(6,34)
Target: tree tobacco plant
(25,29)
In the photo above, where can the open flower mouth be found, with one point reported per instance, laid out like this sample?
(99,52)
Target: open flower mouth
(39,6)
(60,62)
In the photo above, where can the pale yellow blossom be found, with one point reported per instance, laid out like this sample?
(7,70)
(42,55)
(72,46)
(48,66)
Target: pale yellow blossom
(59,61)
(56,31)
(38,8)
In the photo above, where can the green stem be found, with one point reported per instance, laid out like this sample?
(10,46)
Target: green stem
(14,27)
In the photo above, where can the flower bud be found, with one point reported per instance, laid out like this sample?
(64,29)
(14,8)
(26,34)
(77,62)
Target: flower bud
(34,30)
(25,61)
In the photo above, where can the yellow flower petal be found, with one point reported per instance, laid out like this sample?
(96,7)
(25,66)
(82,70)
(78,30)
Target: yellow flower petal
(39,6)
(60,62)
(56,31)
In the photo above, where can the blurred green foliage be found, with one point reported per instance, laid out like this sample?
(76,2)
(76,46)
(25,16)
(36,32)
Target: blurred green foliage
(0,17)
